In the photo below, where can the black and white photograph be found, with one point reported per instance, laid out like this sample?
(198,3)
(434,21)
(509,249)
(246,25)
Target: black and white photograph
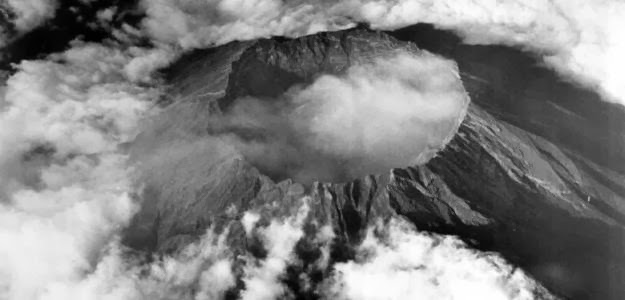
(312,149)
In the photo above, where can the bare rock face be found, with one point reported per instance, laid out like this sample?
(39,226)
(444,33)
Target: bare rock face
(270,67)
(529,173)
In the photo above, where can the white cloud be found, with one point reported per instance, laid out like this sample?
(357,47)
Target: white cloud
(263,278)
(324,238)
(31,13)
(197,24)
(579,38)
(249,221)
(402,263)
(66,189)
(141,67)
(106,15)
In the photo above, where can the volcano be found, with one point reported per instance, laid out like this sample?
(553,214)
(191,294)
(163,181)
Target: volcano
(530,172)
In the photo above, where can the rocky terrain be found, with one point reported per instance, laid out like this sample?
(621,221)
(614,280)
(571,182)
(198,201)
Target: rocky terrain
(533,171)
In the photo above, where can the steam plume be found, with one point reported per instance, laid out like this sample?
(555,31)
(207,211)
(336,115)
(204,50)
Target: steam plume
(395,111)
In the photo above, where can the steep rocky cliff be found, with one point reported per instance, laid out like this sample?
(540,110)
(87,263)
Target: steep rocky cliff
(533,172)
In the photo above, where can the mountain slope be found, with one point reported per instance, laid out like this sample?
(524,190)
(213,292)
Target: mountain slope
(519,177)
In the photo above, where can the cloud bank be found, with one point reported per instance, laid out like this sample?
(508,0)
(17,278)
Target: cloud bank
(397,262)
(393,111)
(66,189)
(581,39)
